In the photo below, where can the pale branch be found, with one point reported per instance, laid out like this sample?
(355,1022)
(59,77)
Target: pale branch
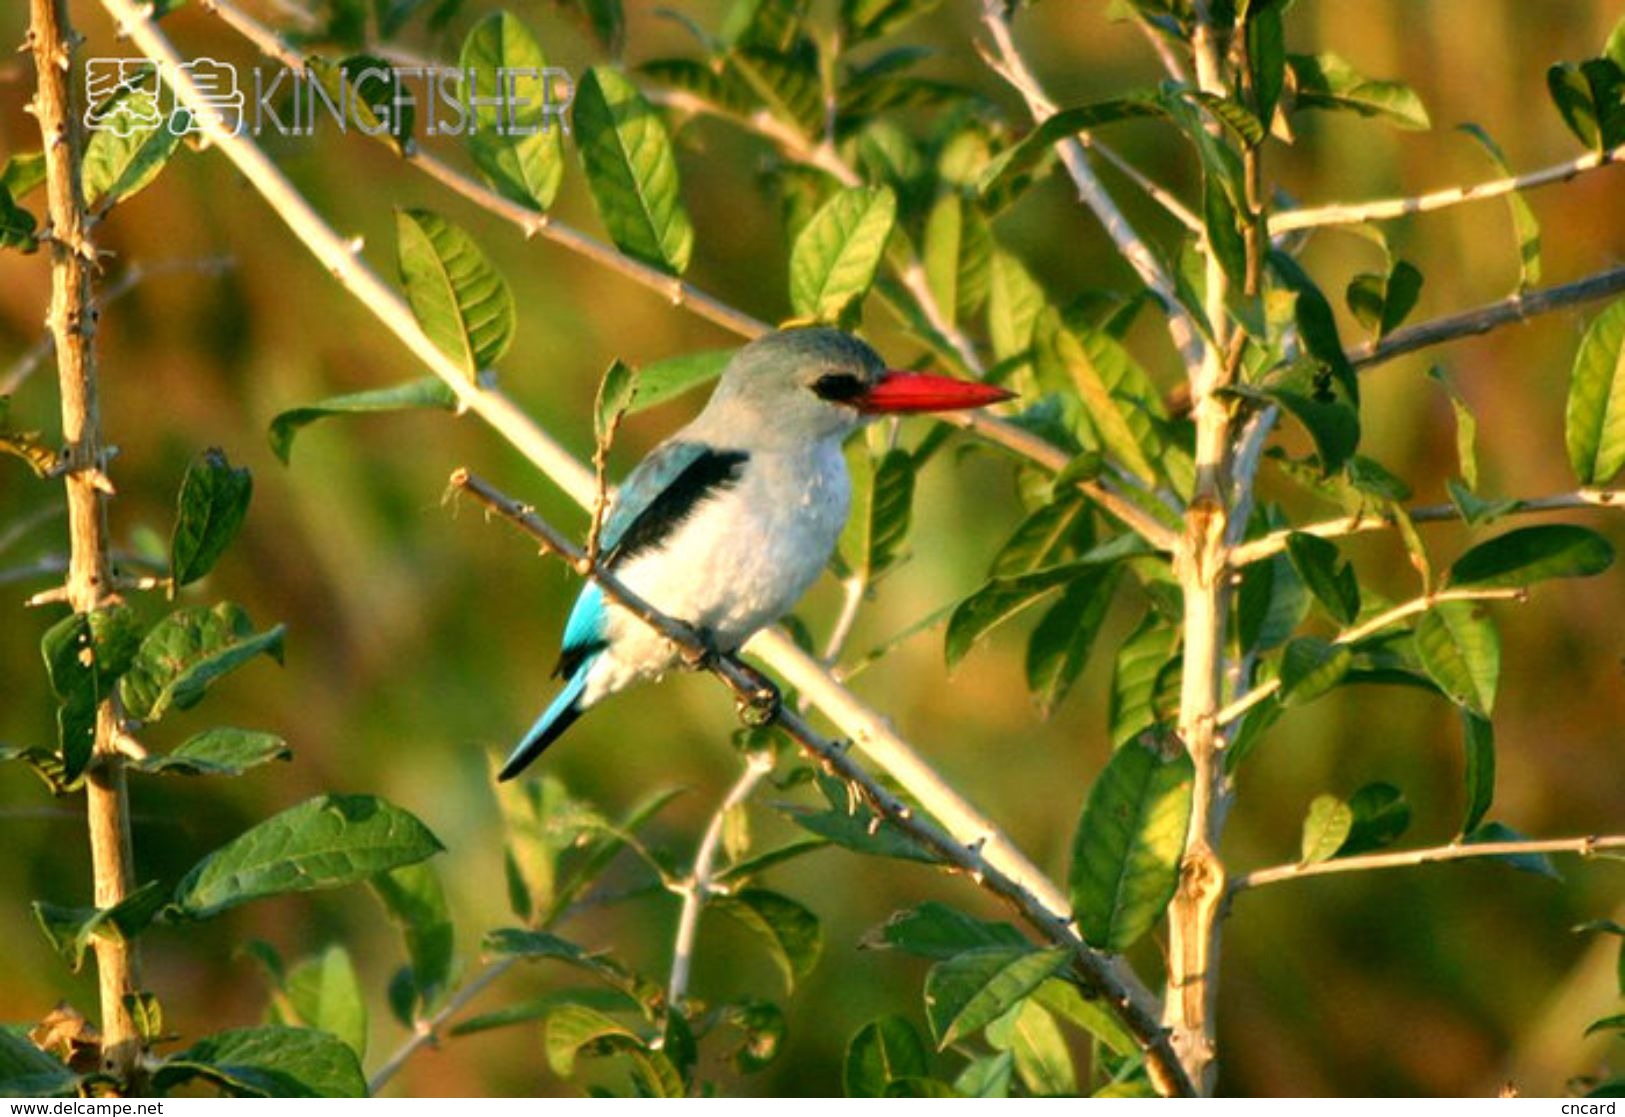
(1274,543)
(1104,975)
(427,1032)
(72,320)
(701,879)
(1483,319)
(1401,858)
(868,728)
(1388,208)
(1008,63)
(852,591)
(1371,626)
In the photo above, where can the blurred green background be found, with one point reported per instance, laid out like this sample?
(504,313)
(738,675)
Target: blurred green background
(420,636)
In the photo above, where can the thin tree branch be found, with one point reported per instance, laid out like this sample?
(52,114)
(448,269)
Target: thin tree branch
(51,38)
(868,729)
(1370,627)
(1388,208)
(1483,319)
(1101,973)
(1275,542)
(427,1032)
(701,879)
(1008,63)
(1456,851)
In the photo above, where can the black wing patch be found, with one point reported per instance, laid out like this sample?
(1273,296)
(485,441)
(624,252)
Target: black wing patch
(711,473)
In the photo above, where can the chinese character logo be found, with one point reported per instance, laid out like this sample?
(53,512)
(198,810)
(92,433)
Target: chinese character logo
(123,96)
(220,102)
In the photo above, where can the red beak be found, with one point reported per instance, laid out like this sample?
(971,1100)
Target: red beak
(898,391)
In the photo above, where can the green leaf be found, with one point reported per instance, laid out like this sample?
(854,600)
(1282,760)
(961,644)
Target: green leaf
(958,256)
(1589,98)
(1478,735)
(1024,155)
(969,991)
(29,446)
(664,380)
(862,20)
(1013,303)
(186,652)
(575,1030)
(615,393)
(1325,828)
(1125,856)
(458,296)
(882,504)
(1381,814)
(1033,1038)
(1533,554)
(792,933)
(325,993)
(835,255)
(937,931)
(860,830)
(368,90)
(24,171)
(1139,665)
(217,752)
(1114,390)
(1594,427)
(1046,536)
(883,1051)
(1615,1023)
(987,1076)
(1333,581)
(72,930)
(763,1030)
(1525,225)
(519,943)
(273,1062)
(1326,81)
(430,391)
(213,501)
(1224,233)
(28,1072)
(1332,424)
(416,903)
(787,81)
(84,655)
(1382,302)
(631,170)
(1496,832)
(1059,647)
(516,143)
(116,167)
(324,842)
(1311,668)
(1063,999)
(1460,649)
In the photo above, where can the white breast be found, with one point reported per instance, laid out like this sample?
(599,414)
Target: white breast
(740,562)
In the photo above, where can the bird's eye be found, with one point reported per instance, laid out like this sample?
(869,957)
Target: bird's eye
(839,387)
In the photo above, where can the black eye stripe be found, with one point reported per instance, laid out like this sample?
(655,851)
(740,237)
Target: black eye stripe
(839,387)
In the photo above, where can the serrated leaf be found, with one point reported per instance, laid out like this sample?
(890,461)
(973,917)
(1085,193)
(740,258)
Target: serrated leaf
(1325,828)
(116,166)
(1460,649)
(1326,81)
(430,391)
(1478,737)
(213,501)
(324,842)
(458,296)
(660,381)
(883,1051)
(1311,667)
(1594,426)
(217,752)
(517,142)
(835,255)
(937,931)
(631,170)
(416,903)
(1332,580)
(186,652)
(971,990)
(793,934)
(1533,554)
(861,831)
(272,1062)
(325,993)
(1130,838)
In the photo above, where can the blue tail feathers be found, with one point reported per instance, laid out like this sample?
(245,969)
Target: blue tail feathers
(560,714)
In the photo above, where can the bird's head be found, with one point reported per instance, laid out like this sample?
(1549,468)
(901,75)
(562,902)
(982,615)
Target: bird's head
(817,382)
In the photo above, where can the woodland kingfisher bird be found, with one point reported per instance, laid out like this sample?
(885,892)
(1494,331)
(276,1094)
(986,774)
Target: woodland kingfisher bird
(729,521)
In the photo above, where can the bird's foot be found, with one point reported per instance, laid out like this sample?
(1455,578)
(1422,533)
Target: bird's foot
(758,702)
(707,656)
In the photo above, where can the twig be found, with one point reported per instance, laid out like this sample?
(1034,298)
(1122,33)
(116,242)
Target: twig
(1275,542)
(1007,61)
(852,591)
(1456,851)
(1102,973)
(1369,627)
(701,878)
(51,38)
(1483,319)
(1389,208)
(868,729)
(427,1031)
